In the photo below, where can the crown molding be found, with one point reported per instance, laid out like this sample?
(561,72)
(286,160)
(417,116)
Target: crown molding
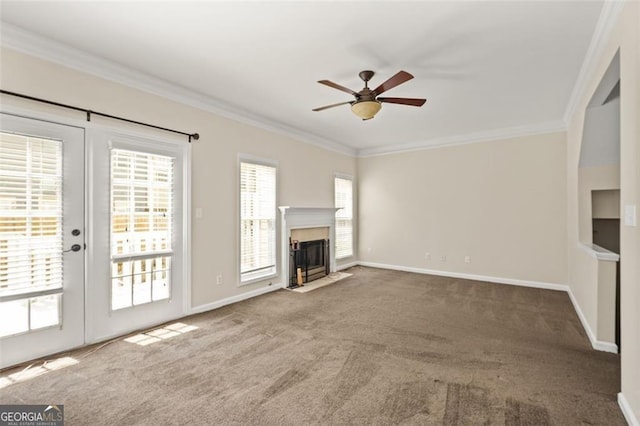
(606,22)
(15,38)
(26,42)
(484,136)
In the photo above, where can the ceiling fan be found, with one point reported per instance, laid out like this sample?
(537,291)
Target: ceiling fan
(367,103)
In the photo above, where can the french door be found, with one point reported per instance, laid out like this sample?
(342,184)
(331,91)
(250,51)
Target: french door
(42,243)
(137,257)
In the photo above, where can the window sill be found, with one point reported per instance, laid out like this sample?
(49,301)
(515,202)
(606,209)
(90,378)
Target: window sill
(349,256)
(257,279)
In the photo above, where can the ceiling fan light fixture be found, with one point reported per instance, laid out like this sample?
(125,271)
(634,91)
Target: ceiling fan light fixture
(366,109)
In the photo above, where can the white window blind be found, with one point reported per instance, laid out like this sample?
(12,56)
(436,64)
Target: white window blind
(257,220)
(141,227)
(31,278)
(344,217)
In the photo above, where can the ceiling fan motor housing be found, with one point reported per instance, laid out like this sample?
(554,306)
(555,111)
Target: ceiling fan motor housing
(366,75)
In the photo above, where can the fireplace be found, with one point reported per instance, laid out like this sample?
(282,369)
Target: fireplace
(309,261)
(307,244)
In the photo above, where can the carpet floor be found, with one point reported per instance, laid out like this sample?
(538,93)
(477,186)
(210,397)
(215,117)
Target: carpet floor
(377,348)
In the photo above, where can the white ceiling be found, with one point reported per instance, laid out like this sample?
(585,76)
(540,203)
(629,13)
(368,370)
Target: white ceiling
(483,66)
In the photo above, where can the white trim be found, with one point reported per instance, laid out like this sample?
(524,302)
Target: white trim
(596,344)
(347,265)
(599,253)
(101,324)
(267,162)
(234,299)
(482,136)
(345,176)
(627,412)
(300,218)
(23,41)
(606,22)
(486,278)
(350,179)
(186,229)
(254,159)
(29,43)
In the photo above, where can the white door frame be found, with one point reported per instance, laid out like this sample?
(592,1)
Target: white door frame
(70,333)
(101,322)
(90,210)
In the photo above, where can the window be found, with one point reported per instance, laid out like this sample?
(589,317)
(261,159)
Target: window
(141,227)
(344,217)
(257,220)
(30,233)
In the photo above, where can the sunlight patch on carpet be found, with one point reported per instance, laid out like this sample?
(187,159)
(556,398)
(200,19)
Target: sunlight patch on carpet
(32,372)
(159,334)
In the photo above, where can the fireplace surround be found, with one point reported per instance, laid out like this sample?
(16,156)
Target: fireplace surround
(311,219)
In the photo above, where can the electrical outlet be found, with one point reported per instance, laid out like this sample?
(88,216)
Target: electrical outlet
(427,255)
(444,258)
(467,259)
(219,280)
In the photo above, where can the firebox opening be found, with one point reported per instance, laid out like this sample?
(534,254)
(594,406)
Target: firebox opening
(309,261)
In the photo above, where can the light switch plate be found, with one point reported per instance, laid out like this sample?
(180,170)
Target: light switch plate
(630,215)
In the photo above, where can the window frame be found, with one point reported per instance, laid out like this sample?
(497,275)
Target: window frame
(335,192)
(273,271)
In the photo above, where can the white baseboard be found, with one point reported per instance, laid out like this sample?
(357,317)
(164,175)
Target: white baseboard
(248,295)
(233,299)
(595,343)
(628,414)
(498,280)
(346,266)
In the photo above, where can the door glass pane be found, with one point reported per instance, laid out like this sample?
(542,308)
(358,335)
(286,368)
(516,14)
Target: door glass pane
(141,227)
(30,231)
(45,311)
(121,295)
(14,317)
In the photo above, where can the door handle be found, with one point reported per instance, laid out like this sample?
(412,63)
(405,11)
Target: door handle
(75,232)
(75,247)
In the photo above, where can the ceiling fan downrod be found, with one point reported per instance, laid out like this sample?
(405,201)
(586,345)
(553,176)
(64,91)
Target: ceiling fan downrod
(366,76)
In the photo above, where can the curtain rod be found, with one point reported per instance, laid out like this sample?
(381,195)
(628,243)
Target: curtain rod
(89,112)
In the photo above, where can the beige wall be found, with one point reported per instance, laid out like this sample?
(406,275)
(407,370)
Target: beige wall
(605,204)
(305,172)
(589,179)
(502,203)
(626,38)
(606,330)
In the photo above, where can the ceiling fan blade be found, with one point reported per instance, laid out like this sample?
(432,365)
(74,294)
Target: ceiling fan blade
(337,86)
(404,101)
(330,106)
(394,81)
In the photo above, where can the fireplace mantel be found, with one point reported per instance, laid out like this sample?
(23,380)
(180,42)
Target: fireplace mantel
(306,217)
